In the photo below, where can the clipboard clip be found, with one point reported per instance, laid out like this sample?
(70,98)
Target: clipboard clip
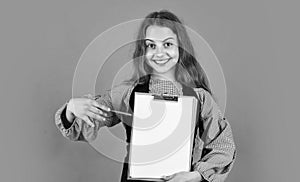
(165,97)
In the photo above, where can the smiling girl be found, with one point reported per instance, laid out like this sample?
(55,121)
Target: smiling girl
(164,64)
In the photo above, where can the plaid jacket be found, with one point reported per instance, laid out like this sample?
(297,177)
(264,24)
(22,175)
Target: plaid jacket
(214,151)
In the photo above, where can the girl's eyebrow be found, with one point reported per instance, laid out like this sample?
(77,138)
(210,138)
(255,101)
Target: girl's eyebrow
(162,41)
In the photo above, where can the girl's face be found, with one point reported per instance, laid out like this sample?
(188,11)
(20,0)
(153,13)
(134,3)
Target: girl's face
(161,51)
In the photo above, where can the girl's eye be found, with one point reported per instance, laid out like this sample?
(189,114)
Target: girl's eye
(152,46)
(168,44)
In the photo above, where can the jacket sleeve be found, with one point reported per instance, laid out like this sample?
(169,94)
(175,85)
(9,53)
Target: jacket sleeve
(219,151)
(80,130)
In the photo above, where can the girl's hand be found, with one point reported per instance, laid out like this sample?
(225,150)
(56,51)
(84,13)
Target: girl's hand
(183,176)
(85,109)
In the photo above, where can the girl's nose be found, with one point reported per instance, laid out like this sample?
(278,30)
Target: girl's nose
(159,55)
(159,51)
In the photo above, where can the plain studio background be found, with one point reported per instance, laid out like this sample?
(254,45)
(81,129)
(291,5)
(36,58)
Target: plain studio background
(257,44)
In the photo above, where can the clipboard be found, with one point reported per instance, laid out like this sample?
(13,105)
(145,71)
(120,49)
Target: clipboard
(162,135)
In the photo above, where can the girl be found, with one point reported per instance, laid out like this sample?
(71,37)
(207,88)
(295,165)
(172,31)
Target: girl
(164,63)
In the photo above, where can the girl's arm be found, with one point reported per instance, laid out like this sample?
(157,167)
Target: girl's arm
(219,150)
(78,130)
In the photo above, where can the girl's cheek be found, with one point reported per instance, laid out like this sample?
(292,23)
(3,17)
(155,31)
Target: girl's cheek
(173,53)
(149,54)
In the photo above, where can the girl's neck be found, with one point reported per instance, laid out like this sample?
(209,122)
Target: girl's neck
(160,77)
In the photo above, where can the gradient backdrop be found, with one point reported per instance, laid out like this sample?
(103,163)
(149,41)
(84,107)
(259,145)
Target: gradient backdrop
(257,43)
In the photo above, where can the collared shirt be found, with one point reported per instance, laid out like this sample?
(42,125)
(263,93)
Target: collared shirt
(214,150)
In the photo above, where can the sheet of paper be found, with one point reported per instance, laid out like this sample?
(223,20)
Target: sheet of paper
(162,136)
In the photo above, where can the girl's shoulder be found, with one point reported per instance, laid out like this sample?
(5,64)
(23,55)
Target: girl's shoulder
(202,94)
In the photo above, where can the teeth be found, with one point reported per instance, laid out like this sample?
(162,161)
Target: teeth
(161,61)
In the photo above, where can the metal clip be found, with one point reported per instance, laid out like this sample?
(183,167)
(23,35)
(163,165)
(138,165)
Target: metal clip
(165,97)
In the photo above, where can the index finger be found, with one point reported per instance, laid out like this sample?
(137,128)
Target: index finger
(100,106)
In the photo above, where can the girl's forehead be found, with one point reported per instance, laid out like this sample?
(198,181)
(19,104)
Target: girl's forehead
(159,33)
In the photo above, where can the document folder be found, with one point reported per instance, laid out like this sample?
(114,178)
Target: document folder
(162,135)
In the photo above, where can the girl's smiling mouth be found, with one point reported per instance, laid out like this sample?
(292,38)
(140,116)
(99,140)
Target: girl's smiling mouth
(161,61)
